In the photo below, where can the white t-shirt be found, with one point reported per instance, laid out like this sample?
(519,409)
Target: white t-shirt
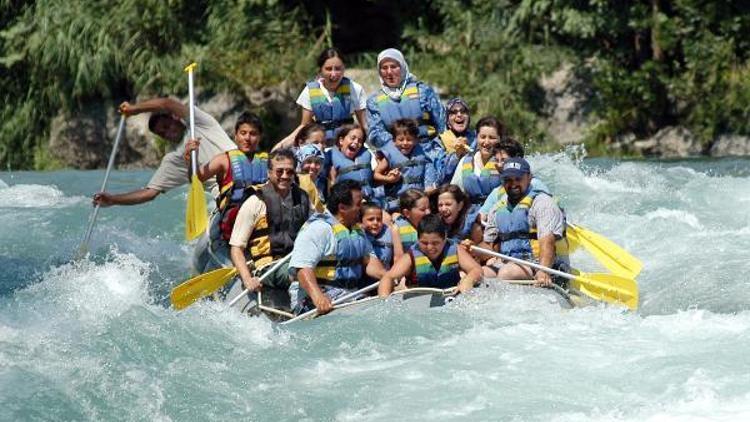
(357,93)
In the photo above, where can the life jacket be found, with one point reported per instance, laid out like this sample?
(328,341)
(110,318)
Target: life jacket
(426,275)
(478,188)
(344,268)
(413,169)
(259,244)
(243,173)
(283,222)
(464,232)
(334,113)
(516,237)
(359,169)
(408,107)
(406,232)
(382,245)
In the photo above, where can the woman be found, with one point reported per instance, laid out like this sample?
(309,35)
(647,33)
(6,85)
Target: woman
(330,98)
(452,206)
(414,205)
(477,174)
(403,96)
(434,261)
(458,139)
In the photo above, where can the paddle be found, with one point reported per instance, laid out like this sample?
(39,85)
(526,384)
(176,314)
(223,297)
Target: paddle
(84,247)
(607,287)
(205,284)
(607,252)
(275,267)
(343,298)
(196,215)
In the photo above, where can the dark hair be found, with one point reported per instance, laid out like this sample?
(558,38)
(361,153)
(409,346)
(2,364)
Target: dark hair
(306,131)
(341,194)
(492,121)
(249,118)
(512,147)
(153,120)
(283,153)
(369,205)
(329,53)
(402,126)
(432,223)
(344,130)
(459,196)
(409,198)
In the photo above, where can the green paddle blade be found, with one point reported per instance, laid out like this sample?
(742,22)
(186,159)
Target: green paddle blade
(196,215)
(607,287)
(200,286)
(607,252)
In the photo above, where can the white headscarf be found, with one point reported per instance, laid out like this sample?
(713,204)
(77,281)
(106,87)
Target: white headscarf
(393,54)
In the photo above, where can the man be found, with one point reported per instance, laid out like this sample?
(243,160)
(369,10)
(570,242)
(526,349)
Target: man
(527,224)
(331,253)
(168,120)
(276,212)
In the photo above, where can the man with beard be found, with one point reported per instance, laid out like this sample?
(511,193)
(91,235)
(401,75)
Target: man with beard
(527,224)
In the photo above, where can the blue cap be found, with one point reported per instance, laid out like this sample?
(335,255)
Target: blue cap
(306,152)
(515,167)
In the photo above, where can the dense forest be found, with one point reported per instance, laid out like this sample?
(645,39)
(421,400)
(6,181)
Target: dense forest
(648,64)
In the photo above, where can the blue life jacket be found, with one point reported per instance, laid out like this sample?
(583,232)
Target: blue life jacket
(478,188)
(426,275)
(413,170)
(464,232)
(382,245)
(344,269)
(359,169)
(408,107)
(406,232)
(243,173)
(331,114)
(516,237)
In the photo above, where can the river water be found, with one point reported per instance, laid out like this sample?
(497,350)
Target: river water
(95,339)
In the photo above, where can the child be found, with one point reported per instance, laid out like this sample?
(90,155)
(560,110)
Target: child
(434,261)
(310,160)
(311,133)
(349,160)
(386,242)
(402,164)
(414,205)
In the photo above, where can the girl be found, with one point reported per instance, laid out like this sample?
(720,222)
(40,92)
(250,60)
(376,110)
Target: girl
(414,205)
(402,164)
(310,160)
(434,261)
(452,206)
(351,160)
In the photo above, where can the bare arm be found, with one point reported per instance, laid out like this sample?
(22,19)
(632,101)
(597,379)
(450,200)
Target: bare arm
(238,259)
(307,281)
(361,119)
(156,104)
(288,142)
(472,269)
(398,247)
(218,166)
(135,197)
(400,268)
(546,258)
(373,267)
(382,174)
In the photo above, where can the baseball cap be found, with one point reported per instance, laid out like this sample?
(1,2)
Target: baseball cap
(515,167)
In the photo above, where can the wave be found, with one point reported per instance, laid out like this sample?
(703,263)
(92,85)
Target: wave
(36,196)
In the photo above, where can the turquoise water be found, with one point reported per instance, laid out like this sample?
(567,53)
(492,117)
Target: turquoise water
(95,340)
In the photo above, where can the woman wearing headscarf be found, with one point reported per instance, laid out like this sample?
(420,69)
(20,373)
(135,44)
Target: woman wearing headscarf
(459,138)
(403,96)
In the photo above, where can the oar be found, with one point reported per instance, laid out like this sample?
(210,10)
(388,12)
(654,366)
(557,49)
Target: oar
(205,284)
(275,267)
(196,215)
(607,252)
(84,247)
(343,298)
(607,287)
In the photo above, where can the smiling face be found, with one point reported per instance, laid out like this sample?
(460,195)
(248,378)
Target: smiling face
(317,138)
(372,220)
(420,209)
(332,72)
(458,119)
(405,143)
(247,137)
(349,214)
(487,137)
(390,72)
(448,208)
(500,157)
(516,186)
(281,173)
(432,245)
(312,167)
(351,143)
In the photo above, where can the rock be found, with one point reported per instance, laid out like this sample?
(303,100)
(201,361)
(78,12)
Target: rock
(730,145)
(78,140)
(566,103)
(670,142)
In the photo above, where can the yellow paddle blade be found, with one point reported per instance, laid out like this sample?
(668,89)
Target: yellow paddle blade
(200,286)
(606,287)
(607,252)
(196,214)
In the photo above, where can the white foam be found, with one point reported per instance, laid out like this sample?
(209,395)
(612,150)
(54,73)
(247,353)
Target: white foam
(679,216)
(35,196)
